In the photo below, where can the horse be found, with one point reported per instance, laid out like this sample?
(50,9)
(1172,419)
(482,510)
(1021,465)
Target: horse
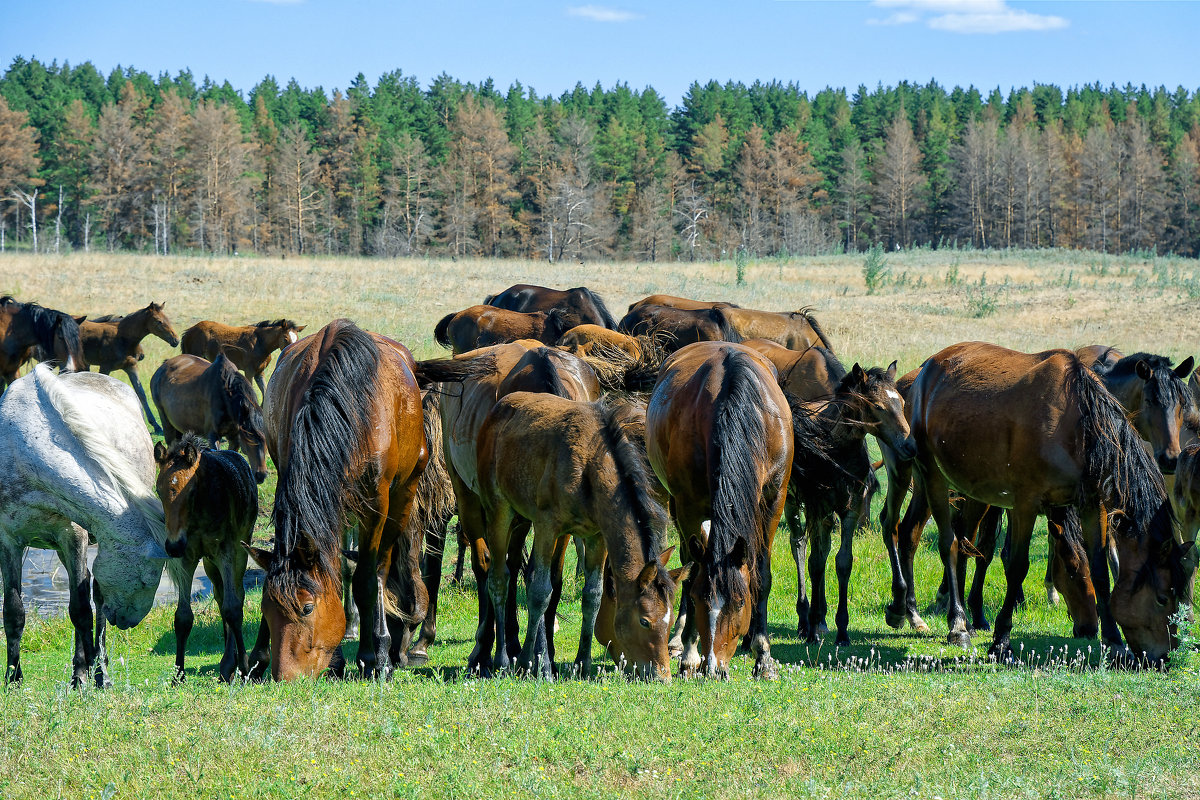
(482,326)
(719,437)
(78,464)
(210,501)
(1038,433)
(212,400)
(114,342)
(26,326)
(249,347)
(575,468)
(519,366)
(677,328)
(1186,496)
(809,374)
(343,421)
(670,301)
(795,330)
(581,305)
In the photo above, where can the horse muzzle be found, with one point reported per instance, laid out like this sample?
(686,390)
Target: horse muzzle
(176,547)
(260,477)
(1167,463)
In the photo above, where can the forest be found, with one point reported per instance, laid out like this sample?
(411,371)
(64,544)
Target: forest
(167,164)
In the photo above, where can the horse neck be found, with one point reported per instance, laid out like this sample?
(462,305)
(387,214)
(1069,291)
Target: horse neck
(1125,388)
(841,431)
(257,341)
(133,327)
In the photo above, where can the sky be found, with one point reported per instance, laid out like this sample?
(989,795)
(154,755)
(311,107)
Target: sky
(550,45)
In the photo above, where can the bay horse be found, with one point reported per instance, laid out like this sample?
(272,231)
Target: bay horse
(1186,496)
(809,374)
(670,301)
(212,400)
(26,326)
(78,464)
(114,342)
(519,366)
(343,421)
(1038,433)
(795,330)
(482,326)
(580,305)
(719,437)
(210,502)
(249,347)
(574,468)
(677,327)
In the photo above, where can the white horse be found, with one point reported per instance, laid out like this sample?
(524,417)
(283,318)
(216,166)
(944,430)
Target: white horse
(76,462)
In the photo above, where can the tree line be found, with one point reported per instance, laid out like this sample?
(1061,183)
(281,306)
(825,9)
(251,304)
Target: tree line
(168,164)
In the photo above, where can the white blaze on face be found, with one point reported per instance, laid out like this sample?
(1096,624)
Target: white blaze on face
(292,337)
(667,617)
(894,395)
(70,363)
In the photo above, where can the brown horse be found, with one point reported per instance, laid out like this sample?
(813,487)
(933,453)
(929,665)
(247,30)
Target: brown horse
(1186,495)
(113,342)
(670,301)
(574,468)
(581,306)
(719,436)
(519,366)
(211,503)
(212,400)
(483,326)
(26,326)
(249,347)
(1038,433)
(795,330)
(676,327)
(344,427)
(809,374)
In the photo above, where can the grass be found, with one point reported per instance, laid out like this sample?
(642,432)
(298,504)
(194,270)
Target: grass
(894,715)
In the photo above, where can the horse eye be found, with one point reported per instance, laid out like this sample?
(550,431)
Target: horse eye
(645,623)
(308,609)
(1161,601)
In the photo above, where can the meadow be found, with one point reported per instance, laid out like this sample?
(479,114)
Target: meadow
(896,714)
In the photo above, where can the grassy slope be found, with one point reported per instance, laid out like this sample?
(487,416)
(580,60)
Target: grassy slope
(872,719)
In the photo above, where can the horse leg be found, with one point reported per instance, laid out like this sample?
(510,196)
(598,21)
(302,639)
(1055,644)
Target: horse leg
(79,604)
(516,563)
(690,550)
(14,609)
(181,571)
(231,573)
(1095,535)
(593,586)
(675,644)
(136,383)
(556,584)
(909,539)
(499,525)
(431,575)
(370,583)
(937,496)
(100,645)
(799,541)
(899,477)
(260,655)
(820,531)
(986,545)
(1020,530)
(472,530)
(258,381)
(845,564)
(463,546)
(349,542)
(414,597)
(534,657)
(760,643)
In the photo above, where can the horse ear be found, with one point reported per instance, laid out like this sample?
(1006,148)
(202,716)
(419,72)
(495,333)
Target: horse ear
(891,372)
(191,453)
(259,556)
(647,575)
(681,573)
(160,453)
(300,328)
(1143,370)
(80,319)
(665,556)
(857,374)
(1191,555)
(1185,369)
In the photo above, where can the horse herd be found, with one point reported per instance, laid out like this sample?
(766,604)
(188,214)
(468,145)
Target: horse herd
(554,423)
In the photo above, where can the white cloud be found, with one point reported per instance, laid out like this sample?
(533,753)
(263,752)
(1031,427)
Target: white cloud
(602,14)
(967,16)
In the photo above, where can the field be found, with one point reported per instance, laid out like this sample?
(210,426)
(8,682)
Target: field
(894,715)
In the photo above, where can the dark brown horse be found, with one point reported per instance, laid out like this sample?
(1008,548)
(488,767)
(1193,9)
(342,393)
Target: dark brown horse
(1186,495)
(113,342)
(809,374)
(580,305)
(677,327)
(212,400)
(211,503)
(249,347)
(670,301)
(26,326)
(1038,433)
(483,326)
(719,436)
(575,468)
(344,427)
(795,330)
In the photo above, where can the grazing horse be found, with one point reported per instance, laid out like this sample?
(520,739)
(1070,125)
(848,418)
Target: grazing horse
(519,367)
(249,347)
(795,330)
(670,301)
(575,468)
(114,342)
(677,327)
(344,427)
(1038,433)
(482,326)
(210,502)
(1186,496)
(581,305)
(78,464)
(26,326)
(211,400)
(719,436)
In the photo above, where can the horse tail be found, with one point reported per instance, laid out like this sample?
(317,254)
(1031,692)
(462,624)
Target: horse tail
(454,370)
(441,332)
(739,435)
(623,427)
(47,324)
(117,469)
(605,316)
(816,326)
(545,371)
(434,503)
(728,332)
(319,486)
(1117,470)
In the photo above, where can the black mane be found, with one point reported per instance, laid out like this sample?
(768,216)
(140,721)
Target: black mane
(635,479)
(236,396)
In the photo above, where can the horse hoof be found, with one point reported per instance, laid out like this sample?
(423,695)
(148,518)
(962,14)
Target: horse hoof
(1051,597)
(674,650)
(417,658)
(919,625)
(822,629)
(894,619)
(959,639)
(843,640)
(766,669)
(1002,652)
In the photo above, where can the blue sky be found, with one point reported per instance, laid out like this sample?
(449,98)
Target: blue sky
(549,45)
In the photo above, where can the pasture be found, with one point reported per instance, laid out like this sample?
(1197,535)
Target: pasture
(896,714)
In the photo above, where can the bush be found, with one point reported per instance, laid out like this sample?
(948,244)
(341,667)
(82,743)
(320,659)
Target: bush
(875,268)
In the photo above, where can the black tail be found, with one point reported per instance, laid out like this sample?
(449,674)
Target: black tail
(728,332)
(606,318)
(441,332)
(453,370)
(816,326)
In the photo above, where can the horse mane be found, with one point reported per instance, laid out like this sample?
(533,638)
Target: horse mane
(1117,470)
(108,318)
(557,323)
(738,436)
(46,321)
(815,465)
(606,317)
(319,487)
(728,332)
(113,464)
(234,392)
(635,480)
(278,323)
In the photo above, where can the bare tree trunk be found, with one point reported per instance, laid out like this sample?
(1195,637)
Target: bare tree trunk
(58,220)
(29,200)
(87,232)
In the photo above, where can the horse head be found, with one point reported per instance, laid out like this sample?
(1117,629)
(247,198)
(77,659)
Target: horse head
(874,402)
(638,616)
(176,484)
(159,324)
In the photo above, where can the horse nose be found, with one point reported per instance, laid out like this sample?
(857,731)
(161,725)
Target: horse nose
(1167,463)
(176,547)
(259,477)
(907,449)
